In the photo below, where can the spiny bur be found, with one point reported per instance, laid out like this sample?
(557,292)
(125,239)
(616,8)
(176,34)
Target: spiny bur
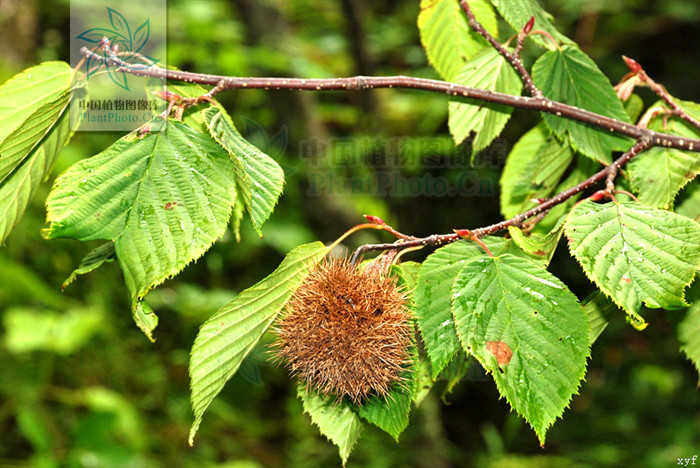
(346,332)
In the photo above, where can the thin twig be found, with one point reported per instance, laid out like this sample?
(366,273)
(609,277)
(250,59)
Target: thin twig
(521,37)
(530,224)
(610,179)
(452,89)
(513,58)
(636,68)
(641,145)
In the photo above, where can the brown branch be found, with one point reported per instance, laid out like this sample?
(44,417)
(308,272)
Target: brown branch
(641,145)
(636,68)
(457,91)
(513,58)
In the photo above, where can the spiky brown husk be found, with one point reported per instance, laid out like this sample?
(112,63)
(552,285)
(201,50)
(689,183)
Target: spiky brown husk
(346,332)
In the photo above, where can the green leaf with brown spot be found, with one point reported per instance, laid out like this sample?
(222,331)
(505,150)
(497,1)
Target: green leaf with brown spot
(163,199)
(527,329)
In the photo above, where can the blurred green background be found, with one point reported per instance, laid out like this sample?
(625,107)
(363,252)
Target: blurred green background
(81,386)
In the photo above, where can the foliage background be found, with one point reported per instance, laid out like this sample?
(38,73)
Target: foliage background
(82,387)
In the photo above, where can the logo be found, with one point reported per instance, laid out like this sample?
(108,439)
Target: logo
(125,44)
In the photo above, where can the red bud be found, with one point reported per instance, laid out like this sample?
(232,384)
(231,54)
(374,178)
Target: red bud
(632,64)
(529,25)
(598,196)
(375,220)
(464,233)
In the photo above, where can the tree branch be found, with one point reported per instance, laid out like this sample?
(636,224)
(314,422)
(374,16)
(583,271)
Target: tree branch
(644,137)
(641,145)
(457,91)
(513,58)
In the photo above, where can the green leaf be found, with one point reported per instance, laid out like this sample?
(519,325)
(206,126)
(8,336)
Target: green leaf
(94,259)
(518,12)
(544,237)
(390,412)
(237,216)
(19,144)
(582,169)
(535,243)
(570,76)
(490,71)
(231,334)
(30,103)
(599,309)
(446,36)
(433,292)
(533,169)
(192,117)
(145,319)
(336,420)
(258,176)
(634,253)
(432,300)
(455,371)
(690,108)
(424,381)
(658,174)
(524,326)
(688,330)
(688,203)
(407,273)
(35,126)
(163,199)
(634,107)
(17,189)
